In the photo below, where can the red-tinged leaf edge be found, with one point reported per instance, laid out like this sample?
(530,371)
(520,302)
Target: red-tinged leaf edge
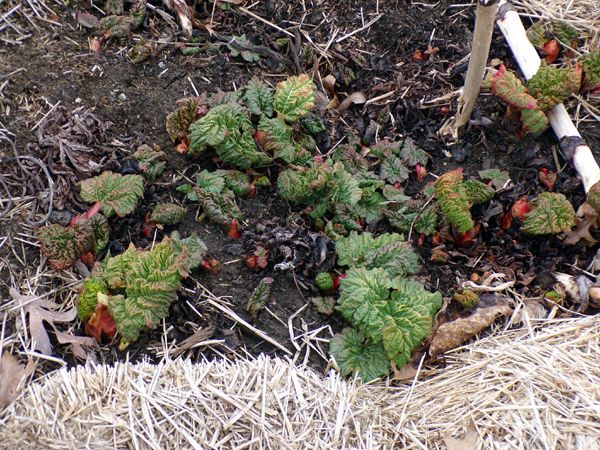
(468,238)
(509,88)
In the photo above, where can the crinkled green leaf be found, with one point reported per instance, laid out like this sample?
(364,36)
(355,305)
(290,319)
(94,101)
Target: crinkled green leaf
(533,121)
(313,124)
(118,194)
(212,182)
(412,309)
(196,248)
(168,214)
(152,279)
(237,181)
(239,149)
(363,299)
(393,170)
(591,70)
(478,192)
(88,297)
(565,33)
(344,188)
(150,161)
(259,98)
(394,194)
(260,297)
(294,97)
(453,200)
(402,218)
(552,85)
(356,355)
(427,221)
(388,251)
(219,123)
(371,206)
(413,155)
(552,213)
(277,138)
(65,245)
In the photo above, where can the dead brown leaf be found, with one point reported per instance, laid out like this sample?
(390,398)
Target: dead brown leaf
(11,374)
(40,310)
(357,98)
(454,333)
(468,442)
(77,343)
(587,220)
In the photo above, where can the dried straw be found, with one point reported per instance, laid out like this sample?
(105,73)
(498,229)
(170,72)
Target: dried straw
(581,14)
(522,389)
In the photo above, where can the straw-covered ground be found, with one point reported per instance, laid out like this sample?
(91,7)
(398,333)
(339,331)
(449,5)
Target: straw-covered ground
(211,375)
(533,388)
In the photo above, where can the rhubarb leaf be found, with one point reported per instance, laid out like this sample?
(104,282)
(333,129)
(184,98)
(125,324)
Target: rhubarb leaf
(453,200)
(388,251)
(294,98)
(552,213)
(364,300)
(499,178)
(150,161)
(509,88)
(591,70)
(219,123)
(65,245)
(552,85)
(239,149)
(357,355)
(533,121)
(413,155)
(478,192)
(178,122)
(259,98)
(168,214)
(117,194)
(277,139)
(393,170)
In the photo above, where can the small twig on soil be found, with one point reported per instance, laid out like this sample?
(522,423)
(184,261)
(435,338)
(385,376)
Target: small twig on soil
(233,316)
(271,24)
(364,27)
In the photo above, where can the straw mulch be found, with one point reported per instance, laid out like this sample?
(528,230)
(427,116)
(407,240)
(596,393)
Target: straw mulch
(522,389)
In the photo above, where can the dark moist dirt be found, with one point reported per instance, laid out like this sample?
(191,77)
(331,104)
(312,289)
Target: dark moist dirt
(136,98)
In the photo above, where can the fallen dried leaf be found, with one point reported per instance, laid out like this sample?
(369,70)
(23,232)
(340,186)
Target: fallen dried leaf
(587,219)
(454,333)
(357,98)
(77,343)
(11,375)
(87,20)
(468,442)
(39,311)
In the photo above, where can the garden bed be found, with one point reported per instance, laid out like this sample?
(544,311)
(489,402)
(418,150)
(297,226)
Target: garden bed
(81,111)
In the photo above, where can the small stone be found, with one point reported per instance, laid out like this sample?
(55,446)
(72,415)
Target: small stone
(122,97)
(78,100)
(162,65)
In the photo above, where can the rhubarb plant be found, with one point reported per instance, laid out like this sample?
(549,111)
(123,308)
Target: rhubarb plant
(390,314)
(228,129)
(216,193)
(138,286)
(455,198)
(65,245)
